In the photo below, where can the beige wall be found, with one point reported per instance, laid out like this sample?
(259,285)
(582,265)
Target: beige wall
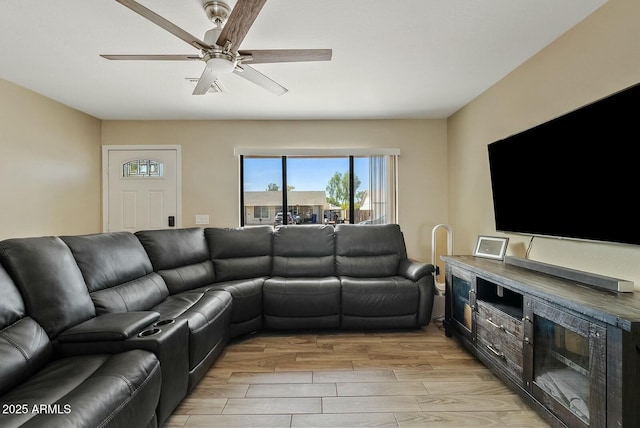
(210,173)
(596,58)
(49,166)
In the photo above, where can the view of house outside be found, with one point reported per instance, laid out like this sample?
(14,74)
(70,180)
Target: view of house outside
(317,190)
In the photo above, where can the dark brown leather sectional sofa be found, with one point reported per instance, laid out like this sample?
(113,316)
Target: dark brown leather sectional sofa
(115,329)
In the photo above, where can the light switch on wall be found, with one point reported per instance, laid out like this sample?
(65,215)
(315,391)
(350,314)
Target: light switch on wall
(202,219)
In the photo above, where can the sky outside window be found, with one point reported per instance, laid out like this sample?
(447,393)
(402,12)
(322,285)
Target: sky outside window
(303,173)
(313,173)
(260,172)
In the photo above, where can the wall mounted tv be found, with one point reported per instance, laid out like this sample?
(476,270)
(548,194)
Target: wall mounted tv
(576,176)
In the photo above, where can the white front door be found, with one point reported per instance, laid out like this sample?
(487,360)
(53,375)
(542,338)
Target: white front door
(141,188)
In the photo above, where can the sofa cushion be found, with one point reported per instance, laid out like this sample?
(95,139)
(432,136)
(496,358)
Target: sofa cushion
(11,304)
(188,277)
(240,253)
(368,266)
(24,349)
(138,295)
(24,345)
(301,297)
(109,259)
(246,311)
(172,248)
(369,250)
(117,271)
(103,390)
(50,281)
(303,251)
(180,256)
(379,297)
(247,297)
(241,268)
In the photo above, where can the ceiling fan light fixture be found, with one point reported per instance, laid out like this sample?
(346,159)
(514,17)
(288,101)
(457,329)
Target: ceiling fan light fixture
(220,66)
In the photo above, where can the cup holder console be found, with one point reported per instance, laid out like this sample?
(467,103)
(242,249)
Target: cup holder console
(164,322)
(150,332)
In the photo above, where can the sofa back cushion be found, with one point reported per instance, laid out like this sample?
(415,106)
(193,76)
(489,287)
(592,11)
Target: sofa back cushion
(240,253)
(369,250)
(117,271)
(24,345)
(304,251)
(49,280)
(24,349)
(172,248)
(11,304)
(180,256)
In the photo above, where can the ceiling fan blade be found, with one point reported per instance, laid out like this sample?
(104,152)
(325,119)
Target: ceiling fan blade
(239,22)
(286,55)
(205,81)
(254,76)
(216,86)
(153,57)
(167,25)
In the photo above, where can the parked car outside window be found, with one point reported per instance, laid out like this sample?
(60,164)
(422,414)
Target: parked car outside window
(278,219)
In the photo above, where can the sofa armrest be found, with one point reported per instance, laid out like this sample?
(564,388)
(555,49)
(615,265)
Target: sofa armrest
(421,274)
(414,270)
(109,327)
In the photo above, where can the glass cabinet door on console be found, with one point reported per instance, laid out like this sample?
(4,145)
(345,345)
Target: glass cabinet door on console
(568,356)
(460,308)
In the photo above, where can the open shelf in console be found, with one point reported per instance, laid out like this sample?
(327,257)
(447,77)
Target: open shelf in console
(503,299)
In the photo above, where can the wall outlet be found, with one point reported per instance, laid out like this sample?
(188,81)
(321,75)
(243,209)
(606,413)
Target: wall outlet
(202,219)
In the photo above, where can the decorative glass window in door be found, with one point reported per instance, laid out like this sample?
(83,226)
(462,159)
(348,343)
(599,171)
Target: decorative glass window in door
(142,168)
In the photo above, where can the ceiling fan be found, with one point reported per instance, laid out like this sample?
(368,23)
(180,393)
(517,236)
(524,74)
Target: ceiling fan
(220,47)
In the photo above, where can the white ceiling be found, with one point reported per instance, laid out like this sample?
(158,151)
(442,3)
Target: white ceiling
(391,59)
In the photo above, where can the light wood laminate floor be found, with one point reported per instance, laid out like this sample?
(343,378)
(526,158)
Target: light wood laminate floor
(340,379)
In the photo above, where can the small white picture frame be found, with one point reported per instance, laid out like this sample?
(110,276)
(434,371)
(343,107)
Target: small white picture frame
(491,247)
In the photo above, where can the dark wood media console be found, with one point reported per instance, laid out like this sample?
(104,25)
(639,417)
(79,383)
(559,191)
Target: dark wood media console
(570,350)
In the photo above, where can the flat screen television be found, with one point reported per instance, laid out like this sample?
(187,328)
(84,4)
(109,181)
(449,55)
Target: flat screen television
(576,176)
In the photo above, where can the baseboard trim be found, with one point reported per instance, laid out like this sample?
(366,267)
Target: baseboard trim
(587,278)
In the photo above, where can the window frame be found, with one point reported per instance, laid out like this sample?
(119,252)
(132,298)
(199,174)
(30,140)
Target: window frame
(283,154)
